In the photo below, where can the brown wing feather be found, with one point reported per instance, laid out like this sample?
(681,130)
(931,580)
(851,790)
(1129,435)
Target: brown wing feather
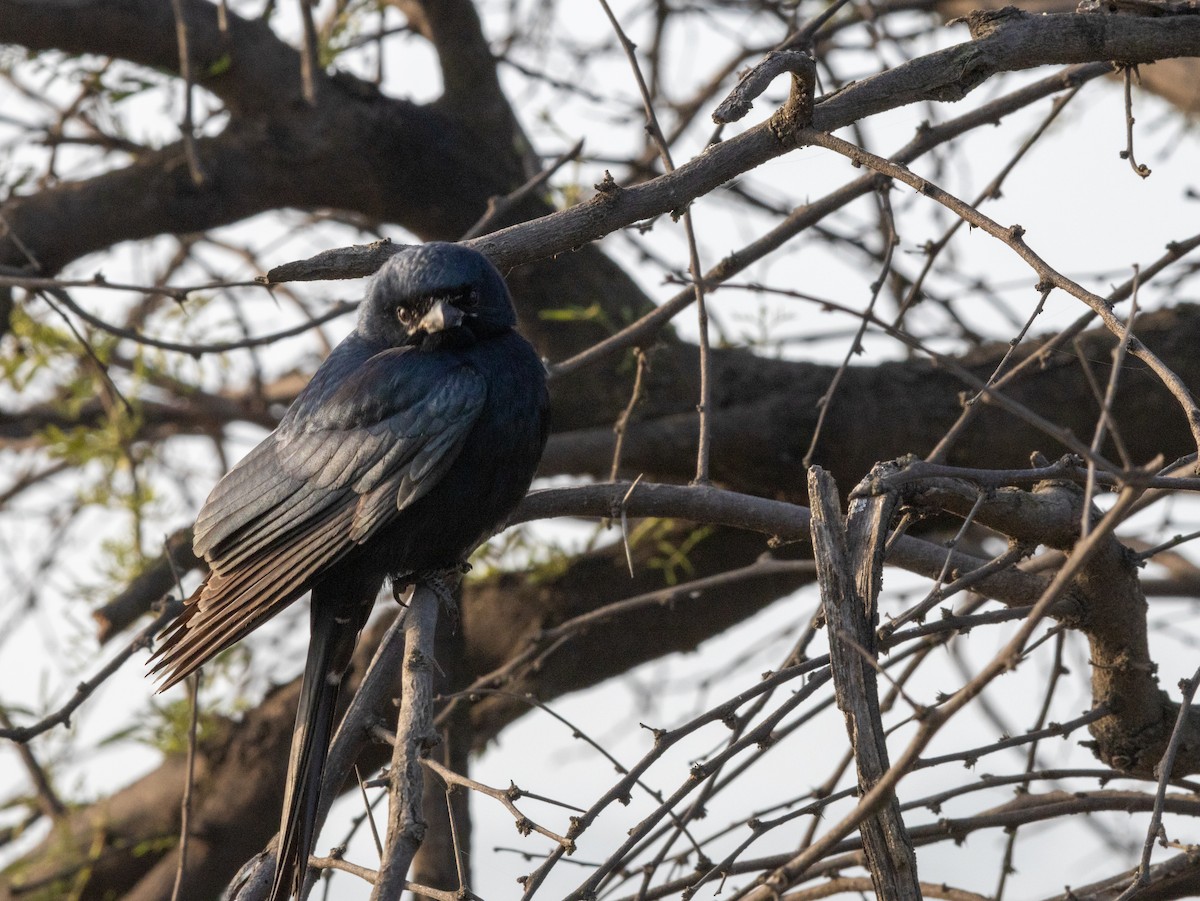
(230,605)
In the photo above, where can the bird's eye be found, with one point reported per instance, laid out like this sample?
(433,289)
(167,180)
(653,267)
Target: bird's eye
(467,299)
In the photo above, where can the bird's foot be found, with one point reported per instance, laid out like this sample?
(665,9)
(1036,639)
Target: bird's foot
(401,592)
(442,582)
(445,583)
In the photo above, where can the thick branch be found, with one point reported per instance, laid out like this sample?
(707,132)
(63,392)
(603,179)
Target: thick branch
(471,89)
(1016,42)
(849,555)
(248,66)
(414,736)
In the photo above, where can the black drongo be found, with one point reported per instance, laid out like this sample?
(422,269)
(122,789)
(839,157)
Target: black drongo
(412,443)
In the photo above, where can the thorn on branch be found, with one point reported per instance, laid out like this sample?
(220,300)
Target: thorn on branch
(608,187)
(659,734)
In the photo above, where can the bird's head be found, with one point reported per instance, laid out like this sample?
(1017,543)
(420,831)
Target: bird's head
(435,294)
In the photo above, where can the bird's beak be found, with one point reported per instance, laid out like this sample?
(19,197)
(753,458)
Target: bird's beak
(441,316)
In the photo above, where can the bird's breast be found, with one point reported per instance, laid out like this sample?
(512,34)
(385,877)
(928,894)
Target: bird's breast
(490,475)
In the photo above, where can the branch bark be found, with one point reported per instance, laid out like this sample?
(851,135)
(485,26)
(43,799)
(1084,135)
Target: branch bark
(414,734)
(849,557)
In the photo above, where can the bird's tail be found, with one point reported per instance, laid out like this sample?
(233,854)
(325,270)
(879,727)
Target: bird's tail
(329,650)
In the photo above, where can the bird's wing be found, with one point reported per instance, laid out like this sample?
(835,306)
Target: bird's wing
(354,450)
(393,425)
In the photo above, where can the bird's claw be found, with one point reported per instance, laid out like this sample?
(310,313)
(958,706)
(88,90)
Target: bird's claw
(444,583)
(400,591)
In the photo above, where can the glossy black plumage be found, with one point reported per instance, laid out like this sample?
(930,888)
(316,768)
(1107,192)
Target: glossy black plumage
(411,444)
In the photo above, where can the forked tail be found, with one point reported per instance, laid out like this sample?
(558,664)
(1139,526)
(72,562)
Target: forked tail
(333,637)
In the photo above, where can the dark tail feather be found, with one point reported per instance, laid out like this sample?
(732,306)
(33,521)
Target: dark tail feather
(329,650)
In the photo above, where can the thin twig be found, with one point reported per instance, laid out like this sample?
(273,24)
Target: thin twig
(1036,360)
(698,807)
(369,875)
(890,240)
(460,864)
(549,640)
(187,127)
(1014,553)
(180,294)
(49,803)
(185,813)
(195,350)
(1187,689)
(1106,417)
(7,231)
(991,394)
(704,408)
(700,773)
(625,524)
(1089,376)
(1013,237)
(1056,671)
(622,423)
(803,36)
(89,351)
(367,812)
(84,690)
(990,192)
(497,207)
(308,54)
(504,796)
(1151,552)
(1127,153)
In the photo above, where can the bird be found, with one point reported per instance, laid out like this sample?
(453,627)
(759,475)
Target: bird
(410,446)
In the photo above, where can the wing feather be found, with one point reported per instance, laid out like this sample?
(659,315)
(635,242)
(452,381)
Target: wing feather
(226,609)
(249,490)
(350,454)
